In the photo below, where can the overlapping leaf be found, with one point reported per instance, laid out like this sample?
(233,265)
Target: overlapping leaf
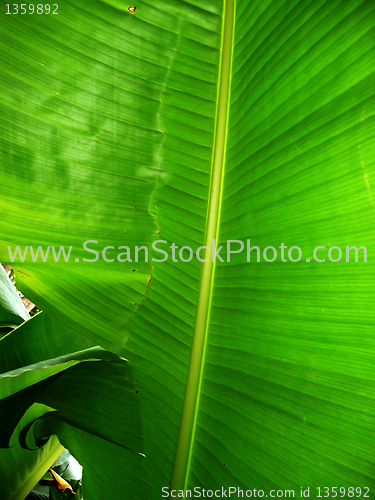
(90,391)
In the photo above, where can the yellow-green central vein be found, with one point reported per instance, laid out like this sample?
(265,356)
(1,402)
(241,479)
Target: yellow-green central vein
(185,439)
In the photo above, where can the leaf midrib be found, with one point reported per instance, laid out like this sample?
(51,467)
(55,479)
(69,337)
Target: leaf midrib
(190,408)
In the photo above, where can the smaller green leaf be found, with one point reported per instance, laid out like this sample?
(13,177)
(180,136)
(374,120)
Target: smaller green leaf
(15,380)
(88,394)
(37,340)
(98,398)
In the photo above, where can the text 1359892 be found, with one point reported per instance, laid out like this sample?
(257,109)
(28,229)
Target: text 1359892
(30,8)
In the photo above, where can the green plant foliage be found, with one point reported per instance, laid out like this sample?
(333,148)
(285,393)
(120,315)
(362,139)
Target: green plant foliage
(112,124)
(88,394)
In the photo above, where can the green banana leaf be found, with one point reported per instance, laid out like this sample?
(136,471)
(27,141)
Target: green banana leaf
(184,122)
(88,394)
